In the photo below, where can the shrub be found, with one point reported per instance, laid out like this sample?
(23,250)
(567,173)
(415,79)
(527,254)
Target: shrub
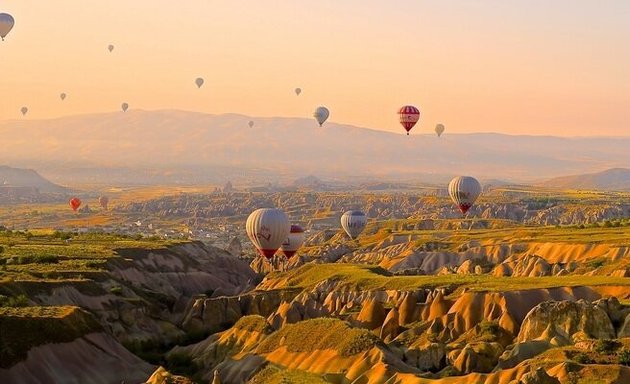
(607,346)
(117,290)
(583,358)
(624,357)
(13,301)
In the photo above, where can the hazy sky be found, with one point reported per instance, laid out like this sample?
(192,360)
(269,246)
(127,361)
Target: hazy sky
(522,67)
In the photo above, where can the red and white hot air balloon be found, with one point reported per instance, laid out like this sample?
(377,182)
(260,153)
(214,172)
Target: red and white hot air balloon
(75,203)
(464,191)
(293,242)
(267,228)
(409,116)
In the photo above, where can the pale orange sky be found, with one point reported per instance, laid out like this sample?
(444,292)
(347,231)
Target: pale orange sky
(518,67)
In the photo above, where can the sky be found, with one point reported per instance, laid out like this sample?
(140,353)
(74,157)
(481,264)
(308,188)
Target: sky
(517,67)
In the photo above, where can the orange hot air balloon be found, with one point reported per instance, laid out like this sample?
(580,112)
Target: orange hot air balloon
(75,203)
(103,201)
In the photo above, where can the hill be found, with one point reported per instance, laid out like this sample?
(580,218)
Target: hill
(18,177)
(611,179)
(178,146)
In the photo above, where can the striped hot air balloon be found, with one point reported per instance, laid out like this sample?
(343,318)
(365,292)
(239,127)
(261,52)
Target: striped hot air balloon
(409,116)
(353,222)
(293,242)
(464,191)
(267,228)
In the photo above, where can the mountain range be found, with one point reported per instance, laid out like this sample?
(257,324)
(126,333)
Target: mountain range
(186,147)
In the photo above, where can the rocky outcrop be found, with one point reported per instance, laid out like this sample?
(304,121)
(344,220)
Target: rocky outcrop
(162,376)
(565,322)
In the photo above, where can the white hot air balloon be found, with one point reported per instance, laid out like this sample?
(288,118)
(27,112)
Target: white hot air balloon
(298,91)
(293,242)
(321,115)
(464,191)
(24,110)
(353,222)
(439,129)
(110,47)
(124,107)
(267,228)
(251,123)
(199,81)
(62,96)
(6,24)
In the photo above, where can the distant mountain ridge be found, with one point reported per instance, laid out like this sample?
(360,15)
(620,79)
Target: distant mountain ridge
(611,179)
(178,146)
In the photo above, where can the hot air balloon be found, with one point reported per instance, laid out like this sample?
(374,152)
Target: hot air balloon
(6,24)
(353,222)
(75,203)
(267,228)
(103,201)
(62,96)
(110,47)
(321,115)
(251,123)
(24,110)
(124,107)
(409,116)
(439,129)
(464,191)
(298,91)
(293,242)
(199,82)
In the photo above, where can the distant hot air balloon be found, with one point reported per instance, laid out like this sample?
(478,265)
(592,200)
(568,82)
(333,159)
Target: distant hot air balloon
(293,242)
(267,228)
(298,91)
(75,203)
(251,123)
(199,82)
(409,116)
(353,222)
(321,115)
(124,107)
(103,201)
(110,47)
(6,24)
(62,96)
(464,191)
(439,129)
(24,110)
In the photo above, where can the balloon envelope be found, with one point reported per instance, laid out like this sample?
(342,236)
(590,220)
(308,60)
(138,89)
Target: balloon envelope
(103,201)
(464,191)
(75,203)
(267,228)
(321,115)
(353,222)
(62,96)
(298,91)
(23,110)
(409,116)
(199,82)
(124,107)
(293,242)
(110,47)
(439,129)
(6,24)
